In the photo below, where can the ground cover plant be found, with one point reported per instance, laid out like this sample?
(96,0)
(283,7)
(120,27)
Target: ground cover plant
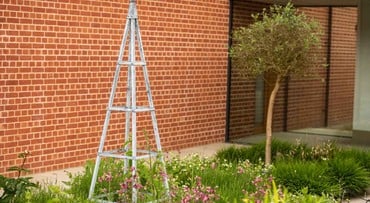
(13,188)
(325,168)
(285,150)
(349,174)
(199,179)
(230,180)
(299,173)
(296,175)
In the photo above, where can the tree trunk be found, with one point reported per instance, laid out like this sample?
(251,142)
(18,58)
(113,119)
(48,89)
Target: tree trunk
(270,110)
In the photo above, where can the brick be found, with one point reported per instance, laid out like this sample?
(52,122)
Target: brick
(59,62)
(68,65)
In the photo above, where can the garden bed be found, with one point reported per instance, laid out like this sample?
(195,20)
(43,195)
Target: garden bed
(322,173)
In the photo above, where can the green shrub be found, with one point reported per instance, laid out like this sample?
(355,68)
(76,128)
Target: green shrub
(301,151)
(255,153)
(230,180)
(280,150)
(348,173)
(234,154)
(296,175)
(304,197)
(268,194)
(185,170)
(277,194)
(79,184)
(323,151)
(233,181)
(13,189)
(221,181)
(51,194)
(362,157)
(113,184)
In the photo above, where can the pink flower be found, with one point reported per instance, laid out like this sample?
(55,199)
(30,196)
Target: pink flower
(124,186)
(205,198)
(108,177)
(137,186)
(257,180)
(240,170)
(163,175)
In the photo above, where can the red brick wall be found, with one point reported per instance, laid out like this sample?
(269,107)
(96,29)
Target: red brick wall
(242,92)
(57,64)
(343,62)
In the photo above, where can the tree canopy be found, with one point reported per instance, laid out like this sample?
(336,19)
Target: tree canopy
(281,41)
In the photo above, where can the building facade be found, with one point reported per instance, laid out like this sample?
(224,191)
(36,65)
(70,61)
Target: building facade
(57,64)
(58,60)
(320,101)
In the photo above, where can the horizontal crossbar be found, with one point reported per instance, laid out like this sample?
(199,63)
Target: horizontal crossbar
(131,109)
(132,63)
(119,154)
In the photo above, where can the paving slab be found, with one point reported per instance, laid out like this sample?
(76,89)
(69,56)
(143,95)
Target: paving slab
(325,131)
(295,136)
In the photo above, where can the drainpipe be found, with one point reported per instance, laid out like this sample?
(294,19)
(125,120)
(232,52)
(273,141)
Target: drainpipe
(328,62)
(228,91)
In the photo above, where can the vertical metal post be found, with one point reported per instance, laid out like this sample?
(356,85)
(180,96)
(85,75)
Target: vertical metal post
(107,118)
(132,59)
(151,105)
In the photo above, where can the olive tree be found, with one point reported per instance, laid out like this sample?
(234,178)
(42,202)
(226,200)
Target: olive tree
(280,42)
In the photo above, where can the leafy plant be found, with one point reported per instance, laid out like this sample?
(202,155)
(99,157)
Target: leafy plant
(184,170)
(14,188)
(230,179)
(320,152)
(304,197)
(297,166)
(296,175)
(116,185)
(198,193)
(109,178)
(268,193)
(52,194)
(361,156)
(281,42)
(262,186)
(198,179)
(234,154)
(255,153)
(348,173)
(79,183)
(233,183)
(278,195)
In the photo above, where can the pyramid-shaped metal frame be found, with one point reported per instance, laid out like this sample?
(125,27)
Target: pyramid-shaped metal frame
(131,33)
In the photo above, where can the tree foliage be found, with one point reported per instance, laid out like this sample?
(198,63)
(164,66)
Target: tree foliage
(281,41)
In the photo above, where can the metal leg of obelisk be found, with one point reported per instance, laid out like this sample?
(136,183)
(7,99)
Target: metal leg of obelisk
(132,32)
